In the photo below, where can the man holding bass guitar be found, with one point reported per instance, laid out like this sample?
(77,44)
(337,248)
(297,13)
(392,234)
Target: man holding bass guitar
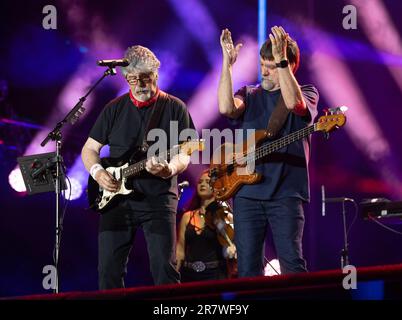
(277,199)
(123,125)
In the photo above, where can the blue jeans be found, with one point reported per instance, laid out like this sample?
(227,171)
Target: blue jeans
(286,220)
(115,245)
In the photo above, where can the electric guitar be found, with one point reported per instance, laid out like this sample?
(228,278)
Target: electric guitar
(229,171)
(127,167)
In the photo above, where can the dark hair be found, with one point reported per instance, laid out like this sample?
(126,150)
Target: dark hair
(292,52)
(195,201)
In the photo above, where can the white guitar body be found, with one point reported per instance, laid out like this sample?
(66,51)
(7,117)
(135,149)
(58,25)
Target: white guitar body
(107,196)
(99,198)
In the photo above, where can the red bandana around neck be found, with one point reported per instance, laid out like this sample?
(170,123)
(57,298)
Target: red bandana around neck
(141,104)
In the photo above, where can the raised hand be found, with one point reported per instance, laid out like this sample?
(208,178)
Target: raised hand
(279,39)
(229,51)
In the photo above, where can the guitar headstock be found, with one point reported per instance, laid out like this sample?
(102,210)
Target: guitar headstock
(190,146)
(334,118)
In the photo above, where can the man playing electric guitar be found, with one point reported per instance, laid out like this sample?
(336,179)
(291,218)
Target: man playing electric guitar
(277,199)
(123,125)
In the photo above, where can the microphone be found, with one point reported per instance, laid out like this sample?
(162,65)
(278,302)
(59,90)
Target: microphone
(183,184)
(323,200)
(329,200)
(113,63)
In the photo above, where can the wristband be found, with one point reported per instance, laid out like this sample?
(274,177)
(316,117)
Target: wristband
(94,170)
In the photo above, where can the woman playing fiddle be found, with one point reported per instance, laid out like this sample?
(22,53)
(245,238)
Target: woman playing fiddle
(203,238)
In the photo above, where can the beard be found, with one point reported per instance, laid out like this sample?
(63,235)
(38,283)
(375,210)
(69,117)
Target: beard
(269,84)
(144,92)
(143,95)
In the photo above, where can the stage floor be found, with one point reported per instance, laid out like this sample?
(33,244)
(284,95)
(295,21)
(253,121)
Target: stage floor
(372,283)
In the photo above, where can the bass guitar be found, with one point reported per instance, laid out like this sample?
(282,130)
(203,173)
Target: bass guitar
(229,171)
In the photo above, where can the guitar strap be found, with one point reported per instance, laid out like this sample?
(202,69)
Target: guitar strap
(277,118)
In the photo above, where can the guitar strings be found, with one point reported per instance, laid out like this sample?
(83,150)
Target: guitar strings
(139,166)
(268,148)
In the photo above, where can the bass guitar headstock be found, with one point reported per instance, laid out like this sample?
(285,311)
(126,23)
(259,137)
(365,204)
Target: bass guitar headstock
(333,119)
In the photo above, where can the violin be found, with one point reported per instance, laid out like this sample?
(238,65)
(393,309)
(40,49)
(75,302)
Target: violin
(216,217)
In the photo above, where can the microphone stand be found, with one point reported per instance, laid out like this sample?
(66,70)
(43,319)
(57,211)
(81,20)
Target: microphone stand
(345,249)
(181,189)
(56,135)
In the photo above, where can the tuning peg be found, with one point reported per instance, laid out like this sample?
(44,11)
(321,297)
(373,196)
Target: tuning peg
(338,110)
(333,110)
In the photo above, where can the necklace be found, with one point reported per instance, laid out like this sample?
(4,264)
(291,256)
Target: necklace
(201,214)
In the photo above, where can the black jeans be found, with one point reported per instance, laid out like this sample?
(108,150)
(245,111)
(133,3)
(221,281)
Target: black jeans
(115,245)
(251,219)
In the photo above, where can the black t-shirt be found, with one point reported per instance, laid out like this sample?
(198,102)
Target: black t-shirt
(122,125)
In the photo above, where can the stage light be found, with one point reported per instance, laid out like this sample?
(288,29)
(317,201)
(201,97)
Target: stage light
(76,190)
(16,181)
(262,27)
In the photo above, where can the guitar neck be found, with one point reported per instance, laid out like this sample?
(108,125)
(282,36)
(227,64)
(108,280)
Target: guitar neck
(282,142)
(138,167)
